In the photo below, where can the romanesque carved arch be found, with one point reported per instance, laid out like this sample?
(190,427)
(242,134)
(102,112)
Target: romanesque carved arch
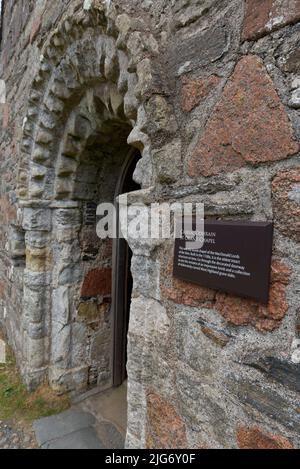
(86,81)
(85,51)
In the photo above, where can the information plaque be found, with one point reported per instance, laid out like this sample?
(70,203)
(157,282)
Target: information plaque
(235,258)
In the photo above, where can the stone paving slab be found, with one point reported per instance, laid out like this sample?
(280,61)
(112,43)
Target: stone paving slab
(85,438)
(98,421)
(72,427)
(110,436)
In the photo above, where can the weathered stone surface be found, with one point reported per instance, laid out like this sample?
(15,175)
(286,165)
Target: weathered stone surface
(97,282)
(36,352)
(183,292)
(90,244)
(149,320)
(289,56)
(17,243)
(256,438)
(35,27)
(199,50)
(187,12)
(148,81)
(215,335)
(36,280)
(137,410)
(61,306)
(286,202)
(66,218)
(37,219)
(235,310)
(5,113)
(38,260)
(263,17)
(7,211)
(69,274)
(168,162)
(241,312)
(277,306)
(2,92)
(164,429)
(279,370)
(146,276)
(3,288)
(194,348)
(195,90)
(88,311)
(61,331)
(161,116)
(35,303)
(65,380)
(268,402)
(298,323)
(99,82)
(139,241)
(295,99)
(249,125)
(280,272)
(295,358)
(201,405)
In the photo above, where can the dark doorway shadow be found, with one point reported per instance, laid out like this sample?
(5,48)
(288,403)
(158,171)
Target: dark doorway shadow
(122,279)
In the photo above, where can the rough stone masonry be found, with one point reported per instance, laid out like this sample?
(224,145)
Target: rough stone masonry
(208,91)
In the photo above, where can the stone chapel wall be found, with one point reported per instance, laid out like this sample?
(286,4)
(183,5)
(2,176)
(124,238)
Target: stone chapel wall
(216,118)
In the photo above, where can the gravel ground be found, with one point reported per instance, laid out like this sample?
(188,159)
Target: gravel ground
(16,437)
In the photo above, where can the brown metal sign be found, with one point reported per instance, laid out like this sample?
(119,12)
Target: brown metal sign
(235,258)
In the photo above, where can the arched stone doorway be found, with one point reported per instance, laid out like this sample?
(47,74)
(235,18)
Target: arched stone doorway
(83,112)
(73,270)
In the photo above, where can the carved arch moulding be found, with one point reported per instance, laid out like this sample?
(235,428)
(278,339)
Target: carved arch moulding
(85,52)
(88,79)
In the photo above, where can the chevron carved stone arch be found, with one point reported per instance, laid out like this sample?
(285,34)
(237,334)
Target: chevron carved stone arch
(85,51)
(89,84)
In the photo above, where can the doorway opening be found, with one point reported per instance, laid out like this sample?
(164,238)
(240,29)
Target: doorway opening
(122,278)
(110,405)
